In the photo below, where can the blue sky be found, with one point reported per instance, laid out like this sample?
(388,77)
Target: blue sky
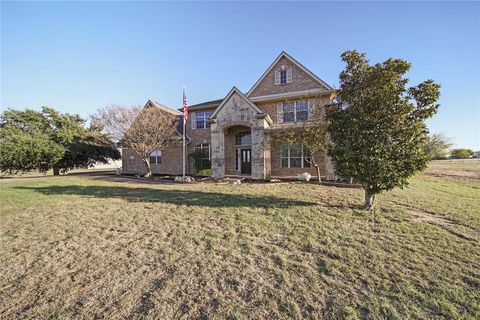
(79,56)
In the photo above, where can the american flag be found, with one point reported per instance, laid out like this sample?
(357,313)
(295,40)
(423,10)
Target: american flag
(185,106)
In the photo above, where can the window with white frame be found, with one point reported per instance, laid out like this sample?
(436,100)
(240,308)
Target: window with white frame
(295,111)
(295,156)
(201,119)
(301,111)
(202,157)
(156,157)
(288,112)
(205,147)
(283,77)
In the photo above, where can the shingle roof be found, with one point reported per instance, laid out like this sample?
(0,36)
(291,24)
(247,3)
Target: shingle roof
(164,108)
(180,124)
(205,105)
(178,115)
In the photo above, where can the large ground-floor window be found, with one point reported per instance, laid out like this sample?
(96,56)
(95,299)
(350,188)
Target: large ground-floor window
(156,157)
(295,156)
(204,148)
(202,156)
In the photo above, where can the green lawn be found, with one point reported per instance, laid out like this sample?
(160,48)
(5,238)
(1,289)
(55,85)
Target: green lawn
(87,247)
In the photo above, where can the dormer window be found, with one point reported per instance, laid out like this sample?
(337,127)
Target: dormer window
(283,77)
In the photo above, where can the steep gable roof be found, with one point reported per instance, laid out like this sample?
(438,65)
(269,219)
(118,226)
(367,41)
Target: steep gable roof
(235,90)
(285,55)
(176,113)
(162,107)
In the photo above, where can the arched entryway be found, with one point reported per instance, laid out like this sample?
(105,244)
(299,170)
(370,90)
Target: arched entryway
(237,114)
(238,150)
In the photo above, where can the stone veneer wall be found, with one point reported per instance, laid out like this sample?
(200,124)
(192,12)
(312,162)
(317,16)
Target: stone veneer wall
(238,112)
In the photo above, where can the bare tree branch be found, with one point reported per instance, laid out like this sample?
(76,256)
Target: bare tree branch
(115,120)
(153,129)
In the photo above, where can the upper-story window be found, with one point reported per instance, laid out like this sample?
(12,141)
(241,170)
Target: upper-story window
(201,119)
(295,111)
(283,77)
(156,157)
(288,112)
(301,110)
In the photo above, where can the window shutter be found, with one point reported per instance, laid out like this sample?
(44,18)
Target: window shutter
(277,77)
(193,120)
(280,112)
(289,75)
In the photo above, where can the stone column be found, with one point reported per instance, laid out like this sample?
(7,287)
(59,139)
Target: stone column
(267,153)
(258,154)
(217,151)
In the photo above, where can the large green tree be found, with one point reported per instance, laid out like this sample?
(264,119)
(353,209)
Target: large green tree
(377,124)
(32,140)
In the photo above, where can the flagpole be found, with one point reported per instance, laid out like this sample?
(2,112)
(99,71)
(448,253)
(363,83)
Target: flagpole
(184,128)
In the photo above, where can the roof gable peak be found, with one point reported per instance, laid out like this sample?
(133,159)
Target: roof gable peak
(285,55)
(161,107)
(229,95)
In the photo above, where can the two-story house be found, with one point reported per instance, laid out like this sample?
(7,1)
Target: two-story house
(234,130)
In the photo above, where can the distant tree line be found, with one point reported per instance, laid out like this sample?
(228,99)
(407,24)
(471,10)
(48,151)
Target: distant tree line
(439,147)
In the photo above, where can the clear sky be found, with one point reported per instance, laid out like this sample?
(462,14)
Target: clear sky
(78,56)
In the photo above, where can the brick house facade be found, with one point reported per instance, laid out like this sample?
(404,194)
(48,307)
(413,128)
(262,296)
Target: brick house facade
(234,130)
